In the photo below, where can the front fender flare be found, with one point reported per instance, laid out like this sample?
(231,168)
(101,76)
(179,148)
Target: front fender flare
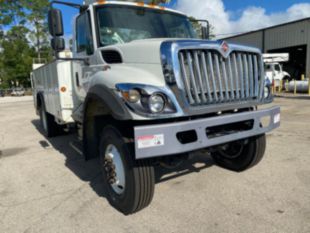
(109,99)
(113,106)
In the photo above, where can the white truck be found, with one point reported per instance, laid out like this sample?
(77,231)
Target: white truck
(274,69)
(141,89)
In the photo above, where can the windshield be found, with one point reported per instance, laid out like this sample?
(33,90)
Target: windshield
(122,24)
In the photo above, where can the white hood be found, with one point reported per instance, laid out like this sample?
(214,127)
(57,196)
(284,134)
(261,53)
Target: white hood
(140,51)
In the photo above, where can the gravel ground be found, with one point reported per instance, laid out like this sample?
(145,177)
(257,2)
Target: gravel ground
(45,186)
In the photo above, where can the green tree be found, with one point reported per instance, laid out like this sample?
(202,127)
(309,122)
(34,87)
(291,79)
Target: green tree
(16,57)
(197,27)
(37,16)
(23,36)
(12,12)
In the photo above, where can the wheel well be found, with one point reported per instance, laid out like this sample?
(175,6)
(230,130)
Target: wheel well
(39,101)
(96,116)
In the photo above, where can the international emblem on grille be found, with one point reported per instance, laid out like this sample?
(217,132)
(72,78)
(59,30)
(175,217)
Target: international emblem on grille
(225,47)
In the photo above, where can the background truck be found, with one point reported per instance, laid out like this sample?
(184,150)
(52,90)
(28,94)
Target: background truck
(141,89)
(274,69)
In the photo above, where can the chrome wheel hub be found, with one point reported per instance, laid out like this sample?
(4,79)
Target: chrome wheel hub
(114,169)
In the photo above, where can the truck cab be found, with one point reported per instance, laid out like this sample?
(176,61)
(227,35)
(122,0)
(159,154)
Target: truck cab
(274,68)
(142,89)
(275,73)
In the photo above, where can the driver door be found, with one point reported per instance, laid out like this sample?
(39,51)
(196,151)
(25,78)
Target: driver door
(84,48)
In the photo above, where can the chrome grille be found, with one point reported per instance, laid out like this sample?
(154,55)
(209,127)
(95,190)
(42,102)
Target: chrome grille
(209,78)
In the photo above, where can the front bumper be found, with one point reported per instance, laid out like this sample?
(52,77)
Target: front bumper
(160,140)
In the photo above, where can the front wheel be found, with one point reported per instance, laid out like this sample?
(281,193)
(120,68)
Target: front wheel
(129,183)
(241,155)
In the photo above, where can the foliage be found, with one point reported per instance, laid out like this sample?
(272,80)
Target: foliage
(38,10)
(16,57)
(197,27)
(12,12)
(23,36)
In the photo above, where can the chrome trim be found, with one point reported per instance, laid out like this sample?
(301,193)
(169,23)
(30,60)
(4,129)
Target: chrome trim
(210,62)
(246,71)
(217,68)
(205,74)
(186,83)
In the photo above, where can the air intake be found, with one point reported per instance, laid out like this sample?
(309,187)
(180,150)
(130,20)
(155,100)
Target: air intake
(111,57)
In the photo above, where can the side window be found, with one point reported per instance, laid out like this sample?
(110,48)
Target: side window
(277,68)
(84,38)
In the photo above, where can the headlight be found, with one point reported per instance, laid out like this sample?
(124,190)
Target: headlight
(157,103)
(132,96)
(147,100)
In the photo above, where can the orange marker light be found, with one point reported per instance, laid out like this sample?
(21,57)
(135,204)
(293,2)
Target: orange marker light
(140,3)
(101,1)
(63,89)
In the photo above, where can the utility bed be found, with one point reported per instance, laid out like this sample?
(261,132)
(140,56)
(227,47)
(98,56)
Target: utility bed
(54,80)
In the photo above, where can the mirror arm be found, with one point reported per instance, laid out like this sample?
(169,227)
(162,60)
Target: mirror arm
(82,8)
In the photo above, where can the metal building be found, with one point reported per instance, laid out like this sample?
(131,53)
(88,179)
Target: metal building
(292,38)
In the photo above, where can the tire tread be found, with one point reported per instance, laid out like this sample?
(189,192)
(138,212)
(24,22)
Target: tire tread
(257,148)
(142,173)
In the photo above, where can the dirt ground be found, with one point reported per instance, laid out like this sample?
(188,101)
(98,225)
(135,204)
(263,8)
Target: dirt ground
(45,186)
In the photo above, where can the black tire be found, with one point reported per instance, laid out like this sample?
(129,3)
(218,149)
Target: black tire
(139,175)
(251,152)
(50,127)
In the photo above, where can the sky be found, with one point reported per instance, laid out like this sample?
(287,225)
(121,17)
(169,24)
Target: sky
(230,17)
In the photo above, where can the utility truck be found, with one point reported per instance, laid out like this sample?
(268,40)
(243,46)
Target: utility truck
(142,90)
(274,69)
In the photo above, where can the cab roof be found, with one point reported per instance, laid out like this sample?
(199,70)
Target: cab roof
(131,3)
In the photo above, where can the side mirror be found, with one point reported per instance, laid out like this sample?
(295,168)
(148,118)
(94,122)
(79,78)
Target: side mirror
(55,23)
(58,44)
(205,32)
(205,28)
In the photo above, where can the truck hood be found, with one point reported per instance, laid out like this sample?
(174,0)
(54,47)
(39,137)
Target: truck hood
(148,50)
(139,51)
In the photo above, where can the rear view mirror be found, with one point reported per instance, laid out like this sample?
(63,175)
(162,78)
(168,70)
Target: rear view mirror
(204,26)
(205,32)
(55,22)
(58,44)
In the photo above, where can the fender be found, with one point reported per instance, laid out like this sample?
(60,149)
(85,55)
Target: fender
(114,106)
(38,101)
(109,99)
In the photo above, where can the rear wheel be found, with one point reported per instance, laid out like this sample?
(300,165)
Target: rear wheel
(50,127)
(129,183)
(241,155)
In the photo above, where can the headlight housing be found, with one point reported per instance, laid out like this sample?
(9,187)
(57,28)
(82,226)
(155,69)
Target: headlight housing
(148,100)
(267,92)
